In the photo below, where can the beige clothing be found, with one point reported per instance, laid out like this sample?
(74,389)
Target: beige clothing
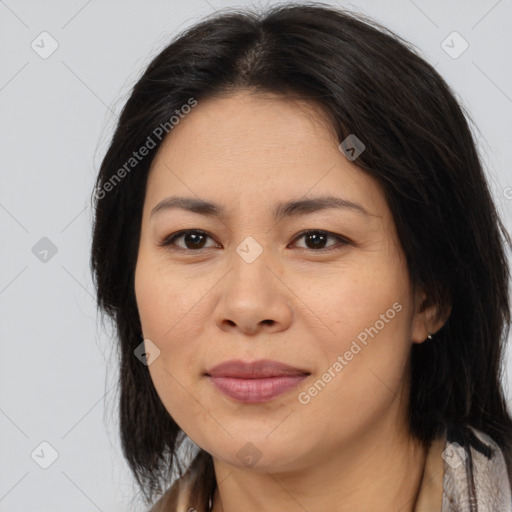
(445,485)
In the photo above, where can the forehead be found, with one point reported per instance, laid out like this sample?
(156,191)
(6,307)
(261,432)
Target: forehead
(257,145)
(245,124)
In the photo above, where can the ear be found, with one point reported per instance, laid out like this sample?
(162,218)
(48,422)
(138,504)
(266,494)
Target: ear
(430,314)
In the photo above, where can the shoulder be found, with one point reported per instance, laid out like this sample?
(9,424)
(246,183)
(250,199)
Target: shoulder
(475,473)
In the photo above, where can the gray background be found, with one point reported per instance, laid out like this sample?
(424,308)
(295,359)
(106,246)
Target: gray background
(58,369)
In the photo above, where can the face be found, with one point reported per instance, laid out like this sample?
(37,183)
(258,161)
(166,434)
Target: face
(320,286)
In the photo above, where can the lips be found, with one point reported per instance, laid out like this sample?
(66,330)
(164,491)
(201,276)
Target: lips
(254,369)
(256,381)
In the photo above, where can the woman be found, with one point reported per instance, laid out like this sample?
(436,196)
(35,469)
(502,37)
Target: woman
(295,238)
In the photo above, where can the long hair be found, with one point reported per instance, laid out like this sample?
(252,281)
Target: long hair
(418,147)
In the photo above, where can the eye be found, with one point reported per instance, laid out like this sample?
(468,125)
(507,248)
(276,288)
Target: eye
(194,240)
(316,239)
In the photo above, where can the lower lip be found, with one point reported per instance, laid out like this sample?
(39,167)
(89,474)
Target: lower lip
(253,391)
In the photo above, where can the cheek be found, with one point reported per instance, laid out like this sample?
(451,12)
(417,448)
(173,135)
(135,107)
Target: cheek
(368,313)
(353,298)
(361,373)
(165,301)
(169,320)
(170,313)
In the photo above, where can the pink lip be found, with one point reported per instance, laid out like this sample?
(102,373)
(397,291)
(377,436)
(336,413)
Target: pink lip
(256,381)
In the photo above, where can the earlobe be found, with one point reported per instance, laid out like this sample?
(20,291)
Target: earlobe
(430,317)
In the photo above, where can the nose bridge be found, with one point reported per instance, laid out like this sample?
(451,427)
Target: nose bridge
(251,296)
(252,284)
(251,262)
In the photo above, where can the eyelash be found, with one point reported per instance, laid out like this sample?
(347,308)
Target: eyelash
(169,241)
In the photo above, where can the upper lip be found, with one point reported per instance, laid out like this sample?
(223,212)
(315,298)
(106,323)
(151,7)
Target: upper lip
(259,369)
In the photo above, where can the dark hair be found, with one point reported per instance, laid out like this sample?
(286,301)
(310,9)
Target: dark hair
(419,148)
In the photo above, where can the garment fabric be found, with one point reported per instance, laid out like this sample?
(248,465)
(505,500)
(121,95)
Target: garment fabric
(458,477)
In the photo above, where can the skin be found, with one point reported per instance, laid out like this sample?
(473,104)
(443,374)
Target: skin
(349,447)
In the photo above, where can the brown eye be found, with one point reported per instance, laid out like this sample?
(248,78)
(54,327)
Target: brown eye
(193,239)
(316,239)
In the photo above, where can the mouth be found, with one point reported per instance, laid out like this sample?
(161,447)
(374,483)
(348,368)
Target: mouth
(255,381)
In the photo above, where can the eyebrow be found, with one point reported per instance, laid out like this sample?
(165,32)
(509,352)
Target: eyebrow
(280,210)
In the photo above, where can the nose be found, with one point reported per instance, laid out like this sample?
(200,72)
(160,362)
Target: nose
(253,296)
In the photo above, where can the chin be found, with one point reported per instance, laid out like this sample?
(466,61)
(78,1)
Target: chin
(260,456)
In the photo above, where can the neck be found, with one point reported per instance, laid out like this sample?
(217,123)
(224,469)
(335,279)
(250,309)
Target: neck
(379,470)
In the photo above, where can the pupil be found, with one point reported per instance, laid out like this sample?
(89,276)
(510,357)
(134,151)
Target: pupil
(317,239)
(195,237)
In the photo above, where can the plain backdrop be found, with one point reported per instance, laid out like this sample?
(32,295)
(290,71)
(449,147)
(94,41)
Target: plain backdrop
(57,366)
